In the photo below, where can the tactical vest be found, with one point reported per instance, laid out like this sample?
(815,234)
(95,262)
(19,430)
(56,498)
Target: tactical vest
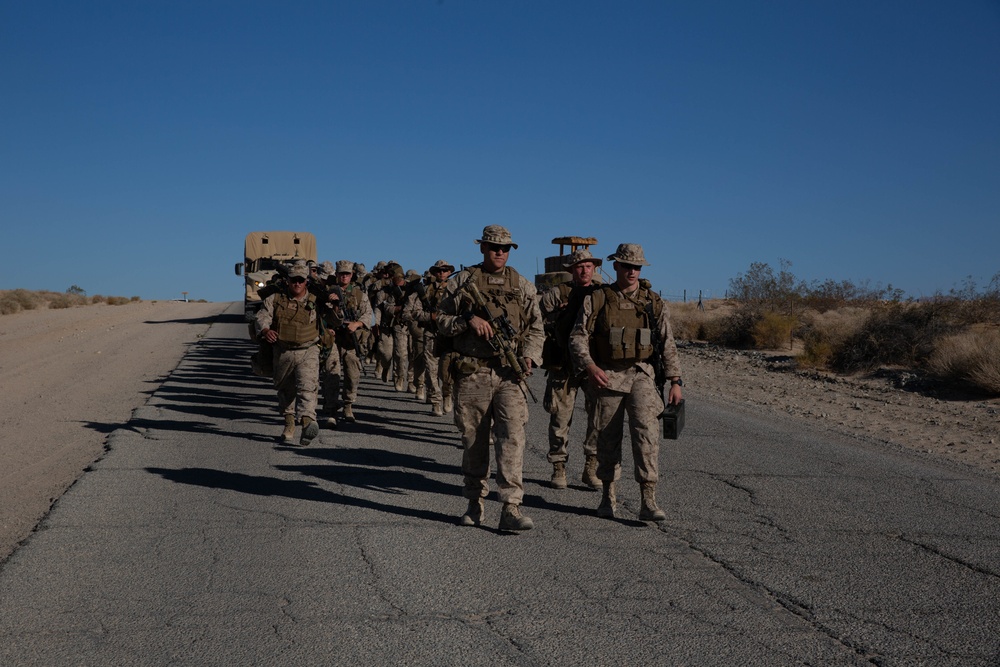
(295,321)
(504,296)
(621,328)
(555,350)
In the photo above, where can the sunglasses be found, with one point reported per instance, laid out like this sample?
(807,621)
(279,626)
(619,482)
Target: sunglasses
(296,280)
(497,247)
(630,267)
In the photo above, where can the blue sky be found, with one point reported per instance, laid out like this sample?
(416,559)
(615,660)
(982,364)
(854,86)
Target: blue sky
(141,140)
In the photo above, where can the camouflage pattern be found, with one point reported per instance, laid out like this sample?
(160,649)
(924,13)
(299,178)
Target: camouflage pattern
(562,386)
(350,363)
(296,377)
(489,401)
(631,389)
(629,253)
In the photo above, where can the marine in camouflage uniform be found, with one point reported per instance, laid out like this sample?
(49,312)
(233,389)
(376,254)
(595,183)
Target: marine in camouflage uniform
(423,309)
(490,400)
(415,340)
(562,382)
(329,355)
(352,335)
(290,322)
(613,341)
(394,336)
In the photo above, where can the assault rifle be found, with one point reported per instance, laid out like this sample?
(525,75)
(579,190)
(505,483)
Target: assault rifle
(350,315)
(503,338)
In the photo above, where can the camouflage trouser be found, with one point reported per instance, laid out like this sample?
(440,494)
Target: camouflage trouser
(393,349)
(332,372)
(351,366)
(644,405)
(416,360)
(560,402)
(445,373)
(491,402)
(431,368)
(296,377)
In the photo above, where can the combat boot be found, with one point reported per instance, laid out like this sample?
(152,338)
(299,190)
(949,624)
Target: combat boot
(349,413)
(331,422)
(606,510)
(590,473)
(558,475)
(511,519)
(421,394)
(310,429)
(436,410)
(649,510)
(474,514)
(400,384)
(449,404)
(289,433)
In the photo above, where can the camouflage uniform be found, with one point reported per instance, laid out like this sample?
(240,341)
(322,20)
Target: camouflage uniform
(296,354)
(394,338)
(490,400)
(616,336)
(562,384)
(422,309)
(354,307)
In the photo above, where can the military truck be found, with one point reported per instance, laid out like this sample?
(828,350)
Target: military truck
(263,253)
(555,272)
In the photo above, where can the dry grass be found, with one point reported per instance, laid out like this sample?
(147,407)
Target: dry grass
(691,323)
(823,333)
(971,358)
(17,300)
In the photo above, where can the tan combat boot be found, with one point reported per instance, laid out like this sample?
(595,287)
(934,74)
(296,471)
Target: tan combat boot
(606,510)
(649,510)
(310,429)
(449,404)
(558,475)
(436,410)
(421,394)
(474,514)
(590,473)
(511,519)
(400,384)
(289,433)
(349,413)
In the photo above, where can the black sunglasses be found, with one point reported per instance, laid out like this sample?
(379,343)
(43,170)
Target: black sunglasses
(630,267)
(296,280)
(500,247)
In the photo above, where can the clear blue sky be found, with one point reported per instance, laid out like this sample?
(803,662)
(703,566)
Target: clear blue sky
(141,140)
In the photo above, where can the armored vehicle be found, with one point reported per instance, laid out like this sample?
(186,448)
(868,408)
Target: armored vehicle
(264,253)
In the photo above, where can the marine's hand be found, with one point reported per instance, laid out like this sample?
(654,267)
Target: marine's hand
(675,396)
(528,365)
(597,376)
(270,335)
(481,327)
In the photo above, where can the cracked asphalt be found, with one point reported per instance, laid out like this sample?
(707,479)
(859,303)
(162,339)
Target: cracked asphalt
(197,540)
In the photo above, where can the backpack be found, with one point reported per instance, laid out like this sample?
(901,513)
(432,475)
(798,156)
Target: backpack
(555,349)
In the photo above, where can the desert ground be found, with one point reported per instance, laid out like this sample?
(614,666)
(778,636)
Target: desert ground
(72,376)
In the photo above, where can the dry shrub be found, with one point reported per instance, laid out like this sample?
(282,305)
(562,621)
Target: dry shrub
(971,357)
(27,300)
(9,305)
(97,298)
(117,300)
(136,298)
(60,301)
(691,323)
(823,333)
(899,334)
(773,331)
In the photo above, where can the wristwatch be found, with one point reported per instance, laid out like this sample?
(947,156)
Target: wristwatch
(679,382)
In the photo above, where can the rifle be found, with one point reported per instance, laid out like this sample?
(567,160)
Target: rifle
(350,315)
(503,338)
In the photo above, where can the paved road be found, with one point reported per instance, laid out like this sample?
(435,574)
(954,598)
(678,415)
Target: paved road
(198,541)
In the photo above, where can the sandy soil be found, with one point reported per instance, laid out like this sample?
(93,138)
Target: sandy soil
(72,376)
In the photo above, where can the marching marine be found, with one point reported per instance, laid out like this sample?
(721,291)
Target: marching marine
(491,314)
(622,330)
(560,306)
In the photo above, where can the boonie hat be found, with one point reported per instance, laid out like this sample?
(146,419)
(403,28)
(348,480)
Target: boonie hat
(582,255)
(441,264)
(299,270)
(412,275)
(497,235)
(345,266)
(629,253)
